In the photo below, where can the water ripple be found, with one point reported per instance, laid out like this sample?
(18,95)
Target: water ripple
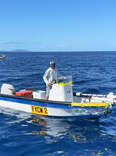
(23,134)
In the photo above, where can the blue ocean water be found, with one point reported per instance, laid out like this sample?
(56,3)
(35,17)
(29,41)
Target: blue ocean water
(22,134)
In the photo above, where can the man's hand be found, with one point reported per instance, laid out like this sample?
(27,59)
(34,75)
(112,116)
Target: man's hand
(49,84)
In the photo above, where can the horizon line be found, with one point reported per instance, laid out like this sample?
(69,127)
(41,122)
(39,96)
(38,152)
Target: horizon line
(58,51)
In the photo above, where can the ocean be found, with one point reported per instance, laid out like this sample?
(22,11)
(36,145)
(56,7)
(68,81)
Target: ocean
(22,134)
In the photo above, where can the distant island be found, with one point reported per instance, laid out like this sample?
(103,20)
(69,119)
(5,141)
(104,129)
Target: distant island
(16,50)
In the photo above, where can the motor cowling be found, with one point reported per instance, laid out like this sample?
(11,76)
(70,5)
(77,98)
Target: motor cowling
(7,89)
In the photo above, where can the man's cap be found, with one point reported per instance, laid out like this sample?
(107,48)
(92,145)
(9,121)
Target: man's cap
(52,63)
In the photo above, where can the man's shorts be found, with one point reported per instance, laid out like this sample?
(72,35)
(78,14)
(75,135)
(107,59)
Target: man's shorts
(48,88)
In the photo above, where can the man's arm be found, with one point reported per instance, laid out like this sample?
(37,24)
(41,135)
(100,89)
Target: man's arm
(45,77)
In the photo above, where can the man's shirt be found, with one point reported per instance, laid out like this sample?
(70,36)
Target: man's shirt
(51,75)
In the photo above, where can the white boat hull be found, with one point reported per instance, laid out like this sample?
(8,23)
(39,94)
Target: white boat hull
(49,109)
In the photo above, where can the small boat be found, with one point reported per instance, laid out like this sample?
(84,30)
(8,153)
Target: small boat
(2,56)
(62,101)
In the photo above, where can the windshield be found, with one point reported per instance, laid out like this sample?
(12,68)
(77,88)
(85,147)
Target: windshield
(65,79)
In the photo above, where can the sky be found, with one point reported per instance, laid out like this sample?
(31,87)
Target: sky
(58,25)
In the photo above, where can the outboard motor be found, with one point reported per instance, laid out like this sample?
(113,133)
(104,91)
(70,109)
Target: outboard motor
(7,89)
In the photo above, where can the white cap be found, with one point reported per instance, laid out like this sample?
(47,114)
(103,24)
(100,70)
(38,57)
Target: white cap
(52,63)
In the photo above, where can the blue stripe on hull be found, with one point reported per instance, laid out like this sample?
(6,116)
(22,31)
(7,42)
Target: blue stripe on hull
(36,103)
(45,104)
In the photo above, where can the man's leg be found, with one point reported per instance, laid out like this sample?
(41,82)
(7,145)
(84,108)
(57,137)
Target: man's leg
(48,92)
(47,97)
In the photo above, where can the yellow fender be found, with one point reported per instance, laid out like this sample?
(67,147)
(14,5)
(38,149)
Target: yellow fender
(91,104)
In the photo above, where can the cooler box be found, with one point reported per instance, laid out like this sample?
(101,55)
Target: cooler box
(39,94)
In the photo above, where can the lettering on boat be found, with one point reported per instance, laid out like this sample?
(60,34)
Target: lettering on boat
(39,110)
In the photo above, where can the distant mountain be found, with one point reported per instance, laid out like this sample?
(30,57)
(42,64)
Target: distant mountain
(21,50)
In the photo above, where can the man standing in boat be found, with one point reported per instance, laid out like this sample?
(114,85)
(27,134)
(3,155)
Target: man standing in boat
(50,77)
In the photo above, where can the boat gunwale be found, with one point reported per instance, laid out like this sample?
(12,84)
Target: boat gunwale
(70,104)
